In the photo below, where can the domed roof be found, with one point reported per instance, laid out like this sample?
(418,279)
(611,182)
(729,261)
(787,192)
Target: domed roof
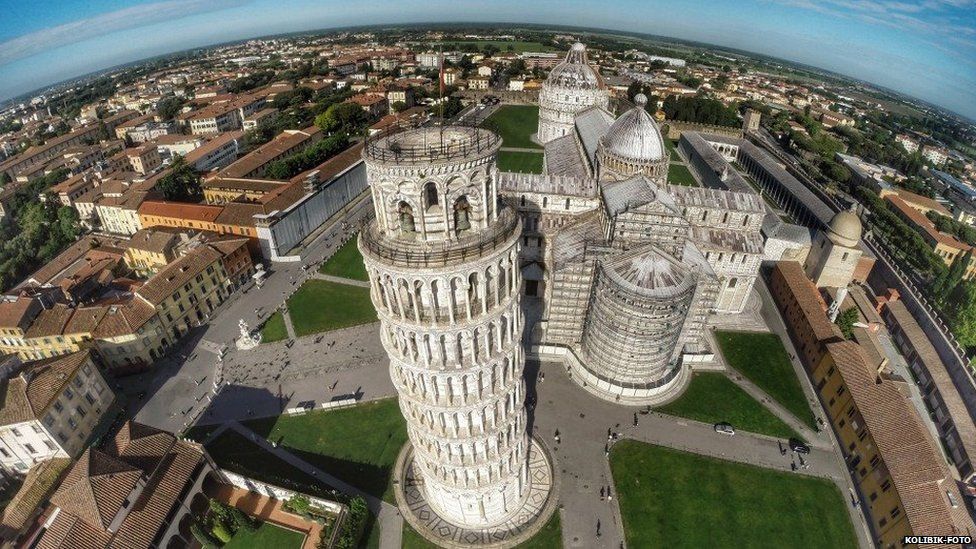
(635,135)
(845,229)
(575,72)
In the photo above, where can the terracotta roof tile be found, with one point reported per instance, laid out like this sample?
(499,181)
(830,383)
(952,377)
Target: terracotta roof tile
(27,396)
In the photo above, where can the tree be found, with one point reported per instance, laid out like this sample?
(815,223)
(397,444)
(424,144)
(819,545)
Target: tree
(845,321)
(342,117)
(962,313)
(168,108)
(181,184)
(398,106)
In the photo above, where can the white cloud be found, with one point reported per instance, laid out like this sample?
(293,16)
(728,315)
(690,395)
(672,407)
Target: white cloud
(106,23)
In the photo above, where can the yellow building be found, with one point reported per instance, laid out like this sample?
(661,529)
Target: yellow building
(150,250)
(899,472)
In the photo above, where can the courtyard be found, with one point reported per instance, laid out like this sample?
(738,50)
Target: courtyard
(266,535)
(672,498)
(712,398)
(762,358)
(679,174)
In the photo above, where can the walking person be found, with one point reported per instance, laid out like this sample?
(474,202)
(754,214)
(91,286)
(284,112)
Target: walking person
(601,493)
(598,528)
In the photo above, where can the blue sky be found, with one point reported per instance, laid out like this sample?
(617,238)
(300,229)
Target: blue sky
(926,48)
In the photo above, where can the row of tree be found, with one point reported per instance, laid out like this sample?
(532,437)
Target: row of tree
(307,159)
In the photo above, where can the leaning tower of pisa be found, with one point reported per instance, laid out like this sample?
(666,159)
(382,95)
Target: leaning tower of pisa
(442,257)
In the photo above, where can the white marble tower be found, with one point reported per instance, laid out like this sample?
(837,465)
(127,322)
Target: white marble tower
(442,257)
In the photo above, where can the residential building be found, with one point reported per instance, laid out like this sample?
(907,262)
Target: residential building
(216,153)
(144,159)
(373,104)
(478,83)
(804,312)
(133,492)
(263,116)
(50,409)
(944,246)
(899,473)
(148,250)
(935,155)
(907,142)
(285,144)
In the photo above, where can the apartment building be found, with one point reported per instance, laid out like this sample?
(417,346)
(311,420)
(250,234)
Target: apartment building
(944,246)
(225,116)
(35,157)
(50,409)
(287,143)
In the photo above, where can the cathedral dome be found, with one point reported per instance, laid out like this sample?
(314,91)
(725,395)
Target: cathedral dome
(635,135)
(575,72)
(845,229)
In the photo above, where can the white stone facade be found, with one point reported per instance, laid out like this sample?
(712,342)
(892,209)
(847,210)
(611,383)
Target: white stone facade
(442,258)
(571,87)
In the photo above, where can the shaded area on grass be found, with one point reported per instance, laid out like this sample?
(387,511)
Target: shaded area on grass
(321,306)
(681,175)
(358,445)
(516,124)
(711,397)
(274,328)
(670,498)
(346,262)
(762,358)
(520,162)
(266,535)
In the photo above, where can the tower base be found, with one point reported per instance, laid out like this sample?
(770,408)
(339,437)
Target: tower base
(524,523)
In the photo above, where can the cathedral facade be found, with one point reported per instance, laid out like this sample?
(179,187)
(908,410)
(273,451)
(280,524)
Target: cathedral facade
(629,267)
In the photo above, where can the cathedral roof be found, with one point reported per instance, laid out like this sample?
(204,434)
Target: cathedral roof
(651,271)
(575,72)
(635,135)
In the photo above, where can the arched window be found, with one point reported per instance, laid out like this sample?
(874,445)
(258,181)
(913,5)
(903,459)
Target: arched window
(462,215)
(430,194)
(406,218)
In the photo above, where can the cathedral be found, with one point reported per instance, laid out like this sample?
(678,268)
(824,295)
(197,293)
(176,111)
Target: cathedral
(628,266)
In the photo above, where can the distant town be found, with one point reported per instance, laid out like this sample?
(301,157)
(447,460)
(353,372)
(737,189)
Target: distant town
(420,287)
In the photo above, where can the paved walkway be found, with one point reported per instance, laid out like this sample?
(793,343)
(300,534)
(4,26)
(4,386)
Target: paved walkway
(814,438)
(388,516)
(340,280)
(521,150)
(289,325)
(266,509)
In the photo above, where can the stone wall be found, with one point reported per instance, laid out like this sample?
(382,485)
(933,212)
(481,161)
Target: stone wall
(676,128)
(276,492)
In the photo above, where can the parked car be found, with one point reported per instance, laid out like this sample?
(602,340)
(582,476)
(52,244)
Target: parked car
(798,446)
(725,428)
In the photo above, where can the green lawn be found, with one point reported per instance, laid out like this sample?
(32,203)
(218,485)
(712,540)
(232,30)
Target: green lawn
(516,124)
(358,445)
(274,328)
(672,146)
(712,398)
(675,499)
(235,453)
(762,359)
(522,162)
(320,306)
(549,537)
(266,535)
(681,175)
(347,262)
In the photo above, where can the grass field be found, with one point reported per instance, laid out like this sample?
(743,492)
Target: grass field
(675,499)
(681,175)
(320,306)
(266,535)
(503,45)
(347,262)
(549,537)
(516,124)
(235,453)
(764,361)
(712,398)
(274,329)
(522,162)
(358,445)
(672,147)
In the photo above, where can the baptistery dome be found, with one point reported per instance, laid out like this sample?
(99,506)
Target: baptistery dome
(574,72)
(633,144)
(571,87)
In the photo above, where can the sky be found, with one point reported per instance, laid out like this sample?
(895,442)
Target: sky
(924,48)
